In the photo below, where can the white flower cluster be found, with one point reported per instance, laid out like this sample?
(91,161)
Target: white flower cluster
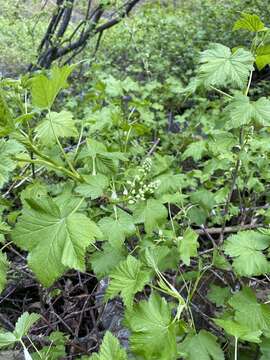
(139,188)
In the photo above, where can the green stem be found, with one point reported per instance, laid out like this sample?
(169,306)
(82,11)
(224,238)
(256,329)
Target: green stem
(235,348)
(249,83)
(51,165)
(221,92)
(94,166)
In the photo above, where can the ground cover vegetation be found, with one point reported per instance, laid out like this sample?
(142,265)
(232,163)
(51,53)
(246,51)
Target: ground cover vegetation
(134,176)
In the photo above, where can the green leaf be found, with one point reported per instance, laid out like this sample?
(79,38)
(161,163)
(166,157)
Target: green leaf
(188,246)
(55,350)
(170,183)
(110,349)
(104,261)
(220,67)
(263,56)
(127,278)
(239,331)
(63,127)
(218,295)
(195,150)
(265,349)
(56,237)
(7,339)
(201,346)
(94,187)
(152,213)
(246,250)
(117,230)
(22,327)
(3,270)
(243,111)
(6,121)
(250,22)
(24,324)
(7,165)
(153,333)
(45,89)
(249,312)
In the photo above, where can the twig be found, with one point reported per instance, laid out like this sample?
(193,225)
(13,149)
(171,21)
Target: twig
(229,229)
(153,148)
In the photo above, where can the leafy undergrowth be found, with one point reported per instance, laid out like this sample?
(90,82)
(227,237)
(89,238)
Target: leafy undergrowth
(128,233)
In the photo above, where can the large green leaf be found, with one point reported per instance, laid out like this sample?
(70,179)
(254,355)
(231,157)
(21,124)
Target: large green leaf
(56,238)
(62,124)
(152,213)
(243,111)
(117,230)
(127,278)
(250,22)
(153,333)
(201,346)
(246,250)
(110,349)
(220,67)
(45,89)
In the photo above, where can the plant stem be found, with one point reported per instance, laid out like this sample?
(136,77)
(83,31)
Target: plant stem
(221,92)
(235,348)
(50,164)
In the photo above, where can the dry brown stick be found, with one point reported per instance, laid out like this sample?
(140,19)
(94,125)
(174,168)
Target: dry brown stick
(228,229)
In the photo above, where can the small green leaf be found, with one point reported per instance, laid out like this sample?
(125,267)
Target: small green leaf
(24,323)
(263,56)
(218,295)
(56,237)
(153,333)
(250,22)
(220,67)
(94,186)
(246,250)
(127,278)
(104,261)
(243,111)
(6,121)
(110,349)
(7,339)
(152,213)
(188,246)
(201,346)
(117,230)
(45,89)
(195,150)
(265,349)
(63,127)
(3,270)
(239,331)
(7,165)
(249,312)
